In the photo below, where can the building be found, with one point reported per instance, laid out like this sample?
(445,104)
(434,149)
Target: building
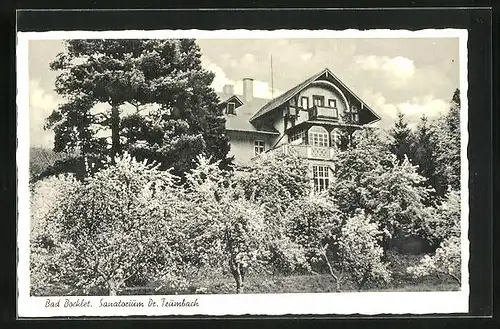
(313,119)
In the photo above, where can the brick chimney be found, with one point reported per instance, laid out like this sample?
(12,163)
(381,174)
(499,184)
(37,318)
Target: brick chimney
(228,89)
(247,89)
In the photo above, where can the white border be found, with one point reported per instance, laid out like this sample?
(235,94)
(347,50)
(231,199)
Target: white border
(255,304)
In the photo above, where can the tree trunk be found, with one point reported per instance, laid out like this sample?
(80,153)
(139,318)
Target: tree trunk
(330,269)
(235,270)
(113,288)
(115,130)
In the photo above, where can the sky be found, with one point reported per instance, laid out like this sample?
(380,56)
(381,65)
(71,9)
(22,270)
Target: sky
(414,75)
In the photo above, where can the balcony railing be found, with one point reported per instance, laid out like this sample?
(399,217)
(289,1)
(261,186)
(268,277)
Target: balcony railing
(323,112)
(309,151)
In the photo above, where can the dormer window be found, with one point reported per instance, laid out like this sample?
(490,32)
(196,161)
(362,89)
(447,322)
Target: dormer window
(318,100)
(304,102)
(230,108)
(332,103)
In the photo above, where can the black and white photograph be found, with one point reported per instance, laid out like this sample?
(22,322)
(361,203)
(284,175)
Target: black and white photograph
(242,172)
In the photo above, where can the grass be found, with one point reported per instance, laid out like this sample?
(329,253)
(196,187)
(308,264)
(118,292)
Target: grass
(218,283)
(294,284)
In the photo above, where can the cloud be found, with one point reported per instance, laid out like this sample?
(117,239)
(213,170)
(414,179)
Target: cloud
(413,109)
(400,69)
(41,105)
(306,56)
(261,89)
(428,105)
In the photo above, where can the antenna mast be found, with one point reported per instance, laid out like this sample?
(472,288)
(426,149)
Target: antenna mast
(272,78)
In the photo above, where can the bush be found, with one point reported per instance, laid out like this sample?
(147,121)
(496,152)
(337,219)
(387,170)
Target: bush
(445,260)
(444,221)
(370,178)
(359,252)
(47,202)
(119,224)
(276,180)
(312,222)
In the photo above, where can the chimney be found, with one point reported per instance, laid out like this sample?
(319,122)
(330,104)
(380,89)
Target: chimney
(247,89)
(228,89)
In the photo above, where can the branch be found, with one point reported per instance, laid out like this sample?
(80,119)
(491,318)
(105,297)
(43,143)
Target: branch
(456,278)
(137,106)
(459,281)
(330,268)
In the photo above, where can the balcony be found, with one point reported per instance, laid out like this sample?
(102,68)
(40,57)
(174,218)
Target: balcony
(323,112)
(309,151)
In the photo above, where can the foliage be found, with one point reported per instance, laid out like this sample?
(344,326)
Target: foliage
(448,147)
(425,155)
(47,202)
(336,244)
(359,251)
(287,257)
(276,180)
(445,260)
(121,223)
(151,98)
(228,228)
(41,159)
(370,178)
(403,139)
(312,222)
(444,220)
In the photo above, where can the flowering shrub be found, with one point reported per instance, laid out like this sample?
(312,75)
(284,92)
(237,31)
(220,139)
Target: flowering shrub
(372,179)
(312,222)
(132,222)
(276,180)
(226,228)
(339,245)
(444,220)
(443,229)
(119,224)
(287,257)
(47,202)
(445,260)
(359,251)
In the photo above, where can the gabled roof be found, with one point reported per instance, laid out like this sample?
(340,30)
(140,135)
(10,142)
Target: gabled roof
(285,96)
(227,97)
(241,121)
(295,90)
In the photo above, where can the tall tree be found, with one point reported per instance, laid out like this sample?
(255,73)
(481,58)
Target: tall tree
(425,152)
(402,143)
(149,97)
(448,145)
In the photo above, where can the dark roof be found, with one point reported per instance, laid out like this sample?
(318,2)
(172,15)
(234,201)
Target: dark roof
(292,92)
(241,121)
(225,97)
(285,96)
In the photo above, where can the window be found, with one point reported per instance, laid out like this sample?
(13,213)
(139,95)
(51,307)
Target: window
(321,178)
(353,114)
(304,102)
(258,147)
(318,136)
(336,137)
(230,108)
(332,103)
(298,135)
(318,100)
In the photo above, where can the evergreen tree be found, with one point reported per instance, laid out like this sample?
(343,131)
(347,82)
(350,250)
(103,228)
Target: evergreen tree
(402,139)
(158,103)
(448,146)
(425,151)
